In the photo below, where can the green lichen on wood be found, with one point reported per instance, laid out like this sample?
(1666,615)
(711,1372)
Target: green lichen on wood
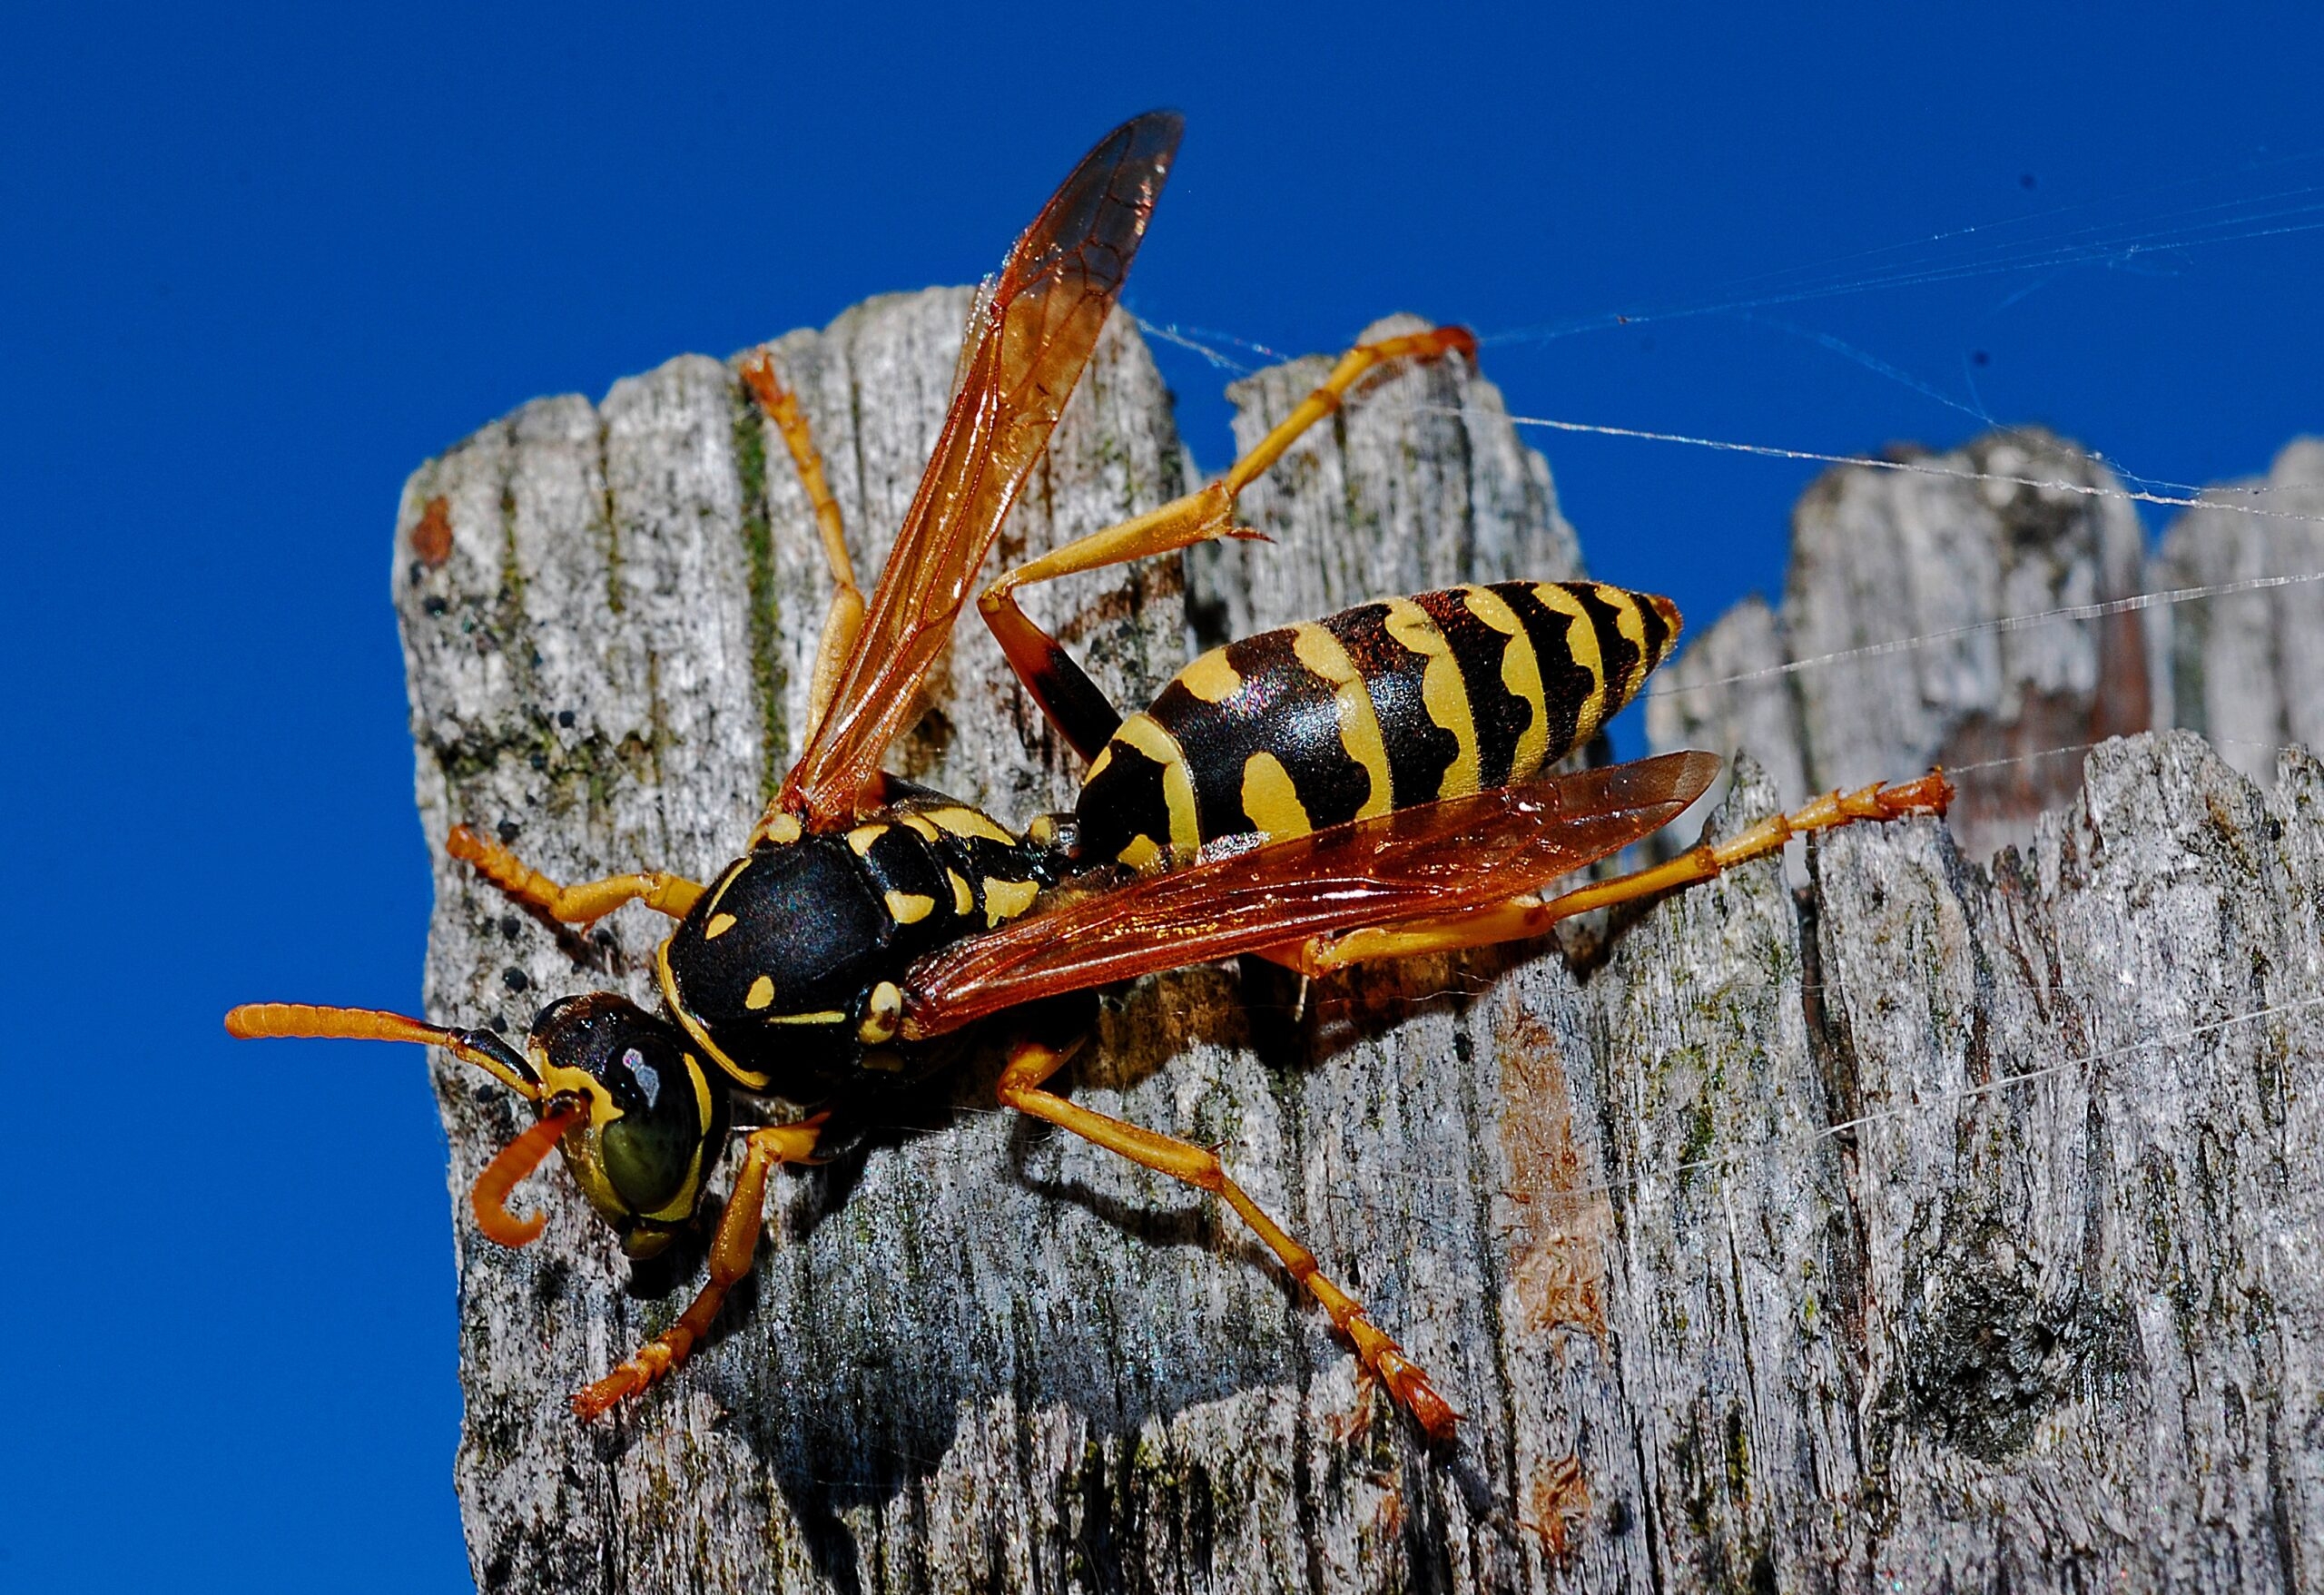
(767,671)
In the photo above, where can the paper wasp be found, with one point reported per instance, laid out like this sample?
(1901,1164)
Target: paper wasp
(1375,784)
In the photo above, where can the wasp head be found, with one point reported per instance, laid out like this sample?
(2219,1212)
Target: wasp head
(649,1121)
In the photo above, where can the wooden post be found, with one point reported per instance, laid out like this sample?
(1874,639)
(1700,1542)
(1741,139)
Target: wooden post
(2056,1332)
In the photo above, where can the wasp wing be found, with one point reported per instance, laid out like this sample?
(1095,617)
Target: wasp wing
(1028,338)
(1435,859)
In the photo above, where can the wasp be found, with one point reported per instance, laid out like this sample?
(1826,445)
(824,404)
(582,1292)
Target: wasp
(1377,784)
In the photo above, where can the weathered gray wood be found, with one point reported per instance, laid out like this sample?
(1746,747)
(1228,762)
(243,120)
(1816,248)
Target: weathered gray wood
(2247,668)
(2051,1334)
(1933,553)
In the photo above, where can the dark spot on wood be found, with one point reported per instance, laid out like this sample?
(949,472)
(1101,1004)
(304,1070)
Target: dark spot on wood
(1988,1353)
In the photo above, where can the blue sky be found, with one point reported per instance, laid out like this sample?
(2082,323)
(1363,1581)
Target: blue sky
(260,265)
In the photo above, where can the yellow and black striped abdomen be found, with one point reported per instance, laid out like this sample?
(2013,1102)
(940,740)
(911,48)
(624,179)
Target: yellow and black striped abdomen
(1397,702)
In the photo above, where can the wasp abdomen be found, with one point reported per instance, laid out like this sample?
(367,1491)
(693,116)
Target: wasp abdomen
(1392,702)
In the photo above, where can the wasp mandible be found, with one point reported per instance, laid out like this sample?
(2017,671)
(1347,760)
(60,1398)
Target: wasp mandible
(1372,785)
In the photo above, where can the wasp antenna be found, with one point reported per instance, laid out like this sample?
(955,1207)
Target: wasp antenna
(506,1172)
(264,1020)
(255,1020)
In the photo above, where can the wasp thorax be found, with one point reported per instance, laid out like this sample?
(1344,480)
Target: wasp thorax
(788,972)
(655,1116)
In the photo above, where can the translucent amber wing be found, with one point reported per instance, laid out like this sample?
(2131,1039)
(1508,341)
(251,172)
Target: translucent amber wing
(1028,336)
(1436,858)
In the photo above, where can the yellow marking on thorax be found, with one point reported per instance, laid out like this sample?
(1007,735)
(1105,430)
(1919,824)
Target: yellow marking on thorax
(1582,642)
(881,1012)
(966,822)
(821,1016)
(920,824)
(1442,689)
(1141,852)
(1521,675)
(1211,678)
(1143,731)
(1005,900)
(719,925)
(761,993)
(862,838)
(750,1080)
(1270,800)
(780,828)
(963,899)
(908,908)
(728,879)
(1320,651)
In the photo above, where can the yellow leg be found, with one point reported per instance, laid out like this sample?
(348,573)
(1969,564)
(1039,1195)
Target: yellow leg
(845,617)
(1065,696)
(575,905)
(1520,917)
(1353,364)
(730,1261)
(1031,1063)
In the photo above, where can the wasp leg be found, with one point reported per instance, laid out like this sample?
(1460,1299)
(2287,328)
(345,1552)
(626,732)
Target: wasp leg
(1518,919)
(1353,366)
(731,1254)
(845,617)
(1030,1063)
(1066,694)
(575,905)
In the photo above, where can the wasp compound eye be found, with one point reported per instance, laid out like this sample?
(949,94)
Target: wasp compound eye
(651,1149)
